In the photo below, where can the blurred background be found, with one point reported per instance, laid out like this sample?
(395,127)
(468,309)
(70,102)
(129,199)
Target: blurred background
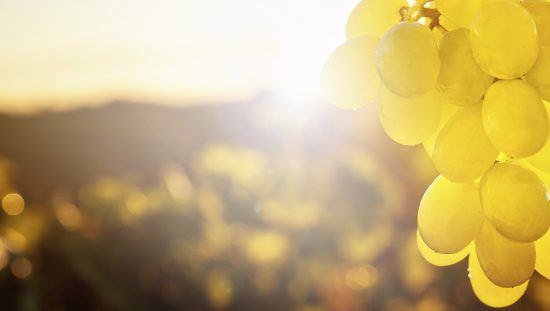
(171,155)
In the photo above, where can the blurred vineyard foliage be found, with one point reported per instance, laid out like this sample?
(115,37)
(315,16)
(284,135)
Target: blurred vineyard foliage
(225,207)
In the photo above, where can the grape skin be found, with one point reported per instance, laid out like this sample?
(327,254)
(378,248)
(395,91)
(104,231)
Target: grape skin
(514,118)
(540,12)
(514,201)
(541,159)
(409,121)
(407,59)
(462,151)
(450,215)
(504,39)
(441,260)
(349,78)
(539,75)
(506,263)
(543,255)
(374,17)
(448,110)
(489,293)
(461,80)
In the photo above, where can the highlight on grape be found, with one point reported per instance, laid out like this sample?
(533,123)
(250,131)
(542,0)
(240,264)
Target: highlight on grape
(470,80)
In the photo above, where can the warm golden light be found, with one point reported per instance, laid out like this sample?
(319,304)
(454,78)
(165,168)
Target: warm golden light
(13,204)
(166,51)
(69,216)
(21,268)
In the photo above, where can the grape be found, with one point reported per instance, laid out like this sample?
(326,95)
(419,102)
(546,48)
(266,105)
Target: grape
(543,176)
(374,17)
(349,78)
(450,215)
(514,201)
(462,151)
(540,11)
(407,59)
(490,294)
(539,75)
(505,263)
(543,255)
(448,24)
(461,79)
(409,121)
(459,12)
(504,39)
(447,111)
(541,159)
(438,259)
(514,118)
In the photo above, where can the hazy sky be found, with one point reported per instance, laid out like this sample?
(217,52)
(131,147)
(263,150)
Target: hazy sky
(58,52)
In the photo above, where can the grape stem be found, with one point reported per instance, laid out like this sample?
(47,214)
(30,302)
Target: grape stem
(433,15)
(414,13)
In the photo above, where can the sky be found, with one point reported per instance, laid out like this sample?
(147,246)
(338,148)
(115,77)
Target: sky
(62,53)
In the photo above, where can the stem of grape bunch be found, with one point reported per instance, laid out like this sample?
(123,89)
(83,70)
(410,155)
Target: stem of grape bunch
(422,10)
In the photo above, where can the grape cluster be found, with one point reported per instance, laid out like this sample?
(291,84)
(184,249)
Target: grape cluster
(470,80)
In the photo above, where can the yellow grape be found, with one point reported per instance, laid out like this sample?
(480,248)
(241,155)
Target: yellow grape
(407,59)
(540,11)
(448,24)
(409,121)
(504,39)
(539,75)
(543,176)
(374,17)
(437,259)
(449,215)
(505,263)
(541,159)
(514,201)
(462,151)
(349,78)
(459,12)
(514,118)
(461,80)
(447,111)
(543,255)
(490,294)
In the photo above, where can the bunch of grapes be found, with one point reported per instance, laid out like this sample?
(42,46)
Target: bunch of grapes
(470,80)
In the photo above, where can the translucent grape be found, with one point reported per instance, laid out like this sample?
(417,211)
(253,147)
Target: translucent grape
(461,80)
(409,121)
(514,201)
(540,11)
(408,60)
(459,12)
(505,263)
(543,176)
(541,159)
(462,151)
(349,78)
(441,260)
(490,294)
(449,215)
(514,118)
(543,255)
(447,23)
(539,75)
(374,17)
(504,39)
(447,111)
